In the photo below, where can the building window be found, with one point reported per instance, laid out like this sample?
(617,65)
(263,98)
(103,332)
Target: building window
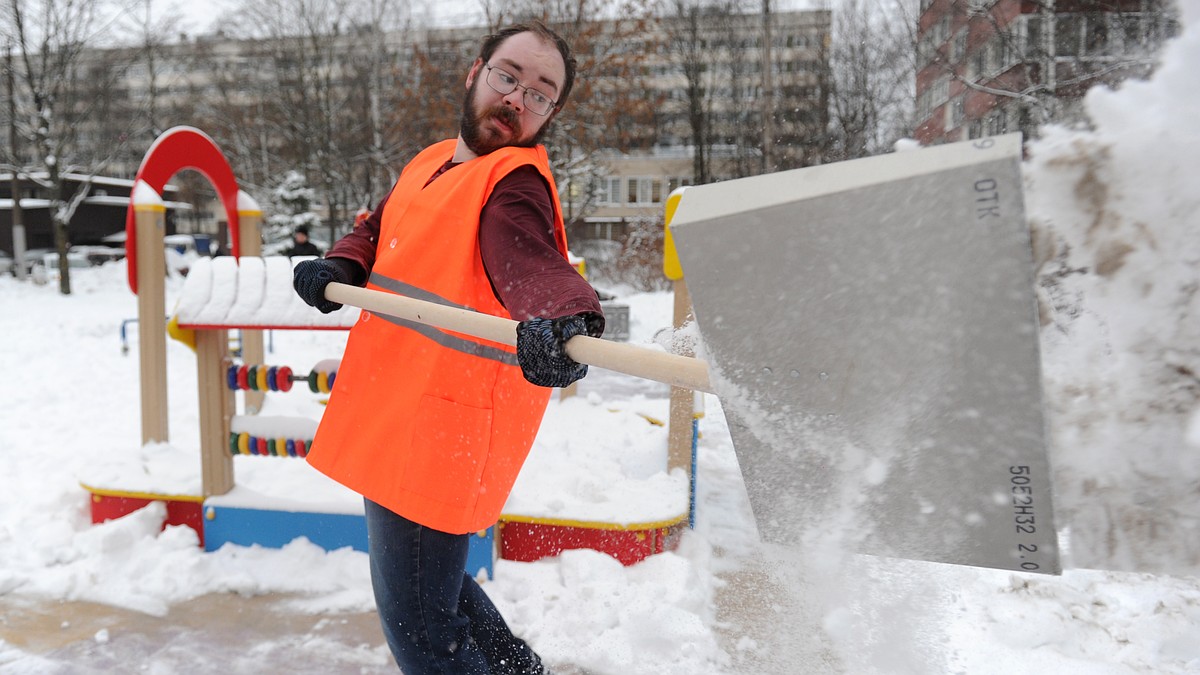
(958,48)
(676,182)
(1066,35)
(608,190)
(957,113)
(641,191)
(1096,36)
(981,60)
(1033,34)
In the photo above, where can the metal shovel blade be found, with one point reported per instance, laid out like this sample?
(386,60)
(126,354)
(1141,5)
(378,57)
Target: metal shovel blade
(871,328)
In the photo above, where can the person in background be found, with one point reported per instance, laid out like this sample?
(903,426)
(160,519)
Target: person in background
(301,246)
(432,427)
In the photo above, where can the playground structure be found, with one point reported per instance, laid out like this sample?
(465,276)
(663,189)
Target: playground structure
(252,294)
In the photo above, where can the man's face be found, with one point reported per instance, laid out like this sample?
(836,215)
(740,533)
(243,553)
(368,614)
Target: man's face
(491,120)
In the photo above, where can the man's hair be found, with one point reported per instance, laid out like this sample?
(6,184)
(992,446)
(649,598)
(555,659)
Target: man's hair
(492,42)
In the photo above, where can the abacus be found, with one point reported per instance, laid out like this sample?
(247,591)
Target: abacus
(277,378)
(245,444)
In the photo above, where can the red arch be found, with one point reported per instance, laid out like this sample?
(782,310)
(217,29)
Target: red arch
(177,149)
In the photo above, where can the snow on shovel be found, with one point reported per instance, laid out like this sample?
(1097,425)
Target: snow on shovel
(872,333)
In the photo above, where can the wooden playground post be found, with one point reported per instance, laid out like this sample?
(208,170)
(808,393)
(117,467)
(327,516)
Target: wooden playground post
(217,408)
(683,401)
(150,217)
(250,240)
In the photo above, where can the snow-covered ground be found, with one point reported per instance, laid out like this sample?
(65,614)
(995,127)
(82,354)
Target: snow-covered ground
(1114,214)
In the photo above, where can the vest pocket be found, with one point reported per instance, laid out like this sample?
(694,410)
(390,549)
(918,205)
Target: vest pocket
(450,449)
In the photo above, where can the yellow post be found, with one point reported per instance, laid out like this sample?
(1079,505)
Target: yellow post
(150,221)
(250,243)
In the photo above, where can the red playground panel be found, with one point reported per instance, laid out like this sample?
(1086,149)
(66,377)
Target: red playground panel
(528,541)
(181,509)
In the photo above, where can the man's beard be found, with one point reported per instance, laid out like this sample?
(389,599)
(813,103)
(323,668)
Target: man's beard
(481,140)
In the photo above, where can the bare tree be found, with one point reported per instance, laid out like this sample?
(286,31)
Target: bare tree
(332,70)
(51,39)
(872,71)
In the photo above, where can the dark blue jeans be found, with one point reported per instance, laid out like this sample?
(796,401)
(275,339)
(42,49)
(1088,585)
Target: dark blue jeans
(435,617)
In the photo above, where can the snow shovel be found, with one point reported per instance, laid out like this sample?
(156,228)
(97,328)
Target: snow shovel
(873,341)
(872,331)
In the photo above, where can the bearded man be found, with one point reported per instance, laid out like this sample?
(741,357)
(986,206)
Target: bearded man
(432,427)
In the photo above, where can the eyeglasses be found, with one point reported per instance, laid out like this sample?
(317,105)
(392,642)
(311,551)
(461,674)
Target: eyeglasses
(504,83)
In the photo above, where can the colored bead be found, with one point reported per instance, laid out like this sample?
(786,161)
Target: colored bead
(272,372)
(243,377)
(262,378)
(231,379)
(283,379)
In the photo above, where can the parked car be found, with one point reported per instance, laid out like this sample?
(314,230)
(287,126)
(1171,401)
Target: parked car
(98,255)
(75,259)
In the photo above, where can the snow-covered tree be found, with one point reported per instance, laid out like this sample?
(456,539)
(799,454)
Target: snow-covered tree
(291,207)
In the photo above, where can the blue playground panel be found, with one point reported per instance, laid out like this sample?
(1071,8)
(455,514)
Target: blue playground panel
(331,531)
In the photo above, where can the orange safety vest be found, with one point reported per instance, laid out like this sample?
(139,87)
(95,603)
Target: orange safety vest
(431,424)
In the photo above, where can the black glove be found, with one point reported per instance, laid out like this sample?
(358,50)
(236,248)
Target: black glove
(541,350)
(312,276)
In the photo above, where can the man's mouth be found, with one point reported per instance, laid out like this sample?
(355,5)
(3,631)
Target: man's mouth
(504,121)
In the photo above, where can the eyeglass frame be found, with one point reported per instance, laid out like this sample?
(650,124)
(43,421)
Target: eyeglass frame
(516,84)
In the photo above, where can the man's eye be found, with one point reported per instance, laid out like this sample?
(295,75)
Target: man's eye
(539,96)
(506,78)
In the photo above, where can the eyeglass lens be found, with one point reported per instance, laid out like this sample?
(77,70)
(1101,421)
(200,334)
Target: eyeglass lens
(504,83)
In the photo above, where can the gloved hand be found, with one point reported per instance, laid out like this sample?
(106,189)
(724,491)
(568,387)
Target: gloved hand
(310,278)
(541,350)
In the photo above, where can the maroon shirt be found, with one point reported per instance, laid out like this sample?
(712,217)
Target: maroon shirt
(516,241)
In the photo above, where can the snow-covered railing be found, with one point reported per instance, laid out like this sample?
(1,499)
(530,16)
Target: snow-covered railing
(251,293)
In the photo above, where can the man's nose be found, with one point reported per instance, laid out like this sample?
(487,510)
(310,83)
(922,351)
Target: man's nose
(516,99)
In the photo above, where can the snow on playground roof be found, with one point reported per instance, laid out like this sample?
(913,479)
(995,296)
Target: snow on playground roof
(250,292)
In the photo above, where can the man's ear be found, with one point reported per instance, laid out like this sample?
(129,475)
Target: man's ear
(474,72)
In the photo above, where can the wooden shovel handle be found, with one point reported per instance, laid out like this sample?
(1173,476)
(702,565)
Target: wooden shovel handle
(678,371)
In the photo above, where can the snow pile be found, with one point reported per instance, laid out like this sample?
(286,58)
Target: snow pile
(1116,217)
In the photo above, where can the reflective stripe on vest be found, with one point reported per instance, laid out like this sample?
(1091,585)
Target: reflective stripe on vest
(444,339)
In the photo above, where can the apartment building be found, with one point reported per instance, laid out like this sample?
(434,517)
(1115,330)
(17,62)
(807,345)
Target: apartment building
(989,67)
(710,62)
